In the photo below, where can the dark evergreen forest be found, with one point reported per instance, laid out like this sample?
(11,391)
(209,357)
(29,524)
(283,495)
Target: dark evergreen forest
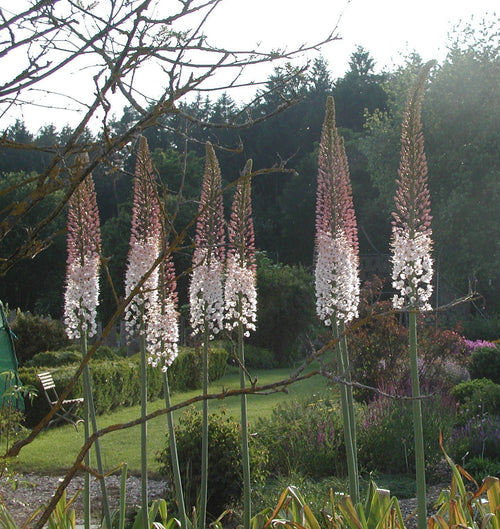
(461,117)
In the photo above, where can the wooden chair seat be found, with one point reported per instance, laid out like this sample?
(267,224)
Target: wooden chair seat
(68,408)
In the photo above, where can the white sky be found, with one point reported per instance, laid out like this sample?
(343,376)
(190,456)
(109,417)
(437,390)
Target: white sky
(385,28)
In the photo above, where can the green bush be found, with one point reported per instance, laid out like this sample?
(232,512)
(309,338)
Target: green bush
(224,464)
(255,357)
(117,382)
(285,309)
(306,437)
(105,352)
(481,467)
(385,436)
(36,334)
(476,397)
(70,355)
(54,358)
(467,388)
(485,363)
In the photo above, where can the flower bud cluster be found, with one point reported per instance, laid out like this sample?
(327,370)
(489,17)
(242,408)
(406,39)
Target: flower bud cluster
(141,258)
(240,296)
(141,277)
(337,282)
(206,295)
(163,327)
(241,272)
(412,269)
(163,335)
(81,297)
(84,246)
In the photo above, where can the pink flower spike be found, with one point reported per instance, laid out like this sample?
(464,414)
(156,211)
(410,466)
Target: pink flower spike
(411,241)
(83,263)
(336,245)
(241,283)
(144,243)
(163,325)
(206,292)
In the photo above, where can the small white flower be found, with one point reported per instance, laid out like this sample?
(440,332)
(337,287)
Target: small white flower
(337,279)
(412,269)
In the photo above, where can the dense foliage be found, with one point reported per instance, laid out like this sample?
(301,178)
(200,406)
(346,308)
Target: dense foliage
(305,437)
(36,334)
(225,469)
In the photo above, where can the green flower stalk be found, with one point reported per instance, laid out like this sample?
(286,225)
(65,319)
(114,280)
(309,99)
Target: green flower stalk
(411,246)
(144,250)
(165,335)
(206,296)
(337,264)
(241,304)
(80,302)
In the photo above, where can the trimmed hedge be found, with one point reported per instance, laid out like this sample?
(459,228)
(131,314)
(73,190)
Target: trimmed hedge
(70,355)
(117,382)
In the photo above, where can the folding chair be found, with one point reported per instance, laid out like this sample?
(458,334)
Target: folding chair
(67,411)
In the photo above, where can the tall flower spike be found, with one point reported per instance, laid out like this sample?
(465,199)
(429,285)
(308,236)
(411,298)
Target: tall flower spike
(241,291)
(337,260)
(164,321)
(206,293)
(144,243)
(411,241)
(84,248)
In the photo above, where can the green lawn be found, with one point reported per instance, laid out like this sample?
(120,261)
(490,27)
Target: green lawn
(55,450)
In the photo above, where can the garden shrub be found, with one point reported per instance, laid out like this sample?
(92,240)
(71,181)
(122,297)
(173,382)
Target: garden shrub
(285,308)
(305,436)
(259,357)
(476,397)
(105,352)
(479,436)
(55,358)
(379,348)
(481,467)
(485,363)
(224,465)
(386,436)
(36,334)
(464,390)
(255,357)
(378,351)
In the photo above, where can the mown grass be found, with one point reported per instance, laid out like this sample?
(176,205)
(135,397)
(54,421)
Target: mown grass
(55,450)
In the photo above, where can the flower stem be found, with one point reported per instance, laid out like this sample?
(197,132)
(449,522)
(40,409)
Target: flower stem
(86,481)
(204,436)
(245,456)
(417,425)
(347,423)
(90,412)
(144,434)
(350,405)
(175,459)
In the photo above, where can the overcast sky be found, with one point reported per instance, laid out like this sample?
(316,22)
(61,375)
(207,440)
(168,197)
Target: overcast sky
(387,29)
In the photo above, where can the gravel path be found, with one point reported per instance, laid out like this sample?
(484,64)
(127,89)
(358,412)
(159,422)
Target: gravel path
(35,490)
